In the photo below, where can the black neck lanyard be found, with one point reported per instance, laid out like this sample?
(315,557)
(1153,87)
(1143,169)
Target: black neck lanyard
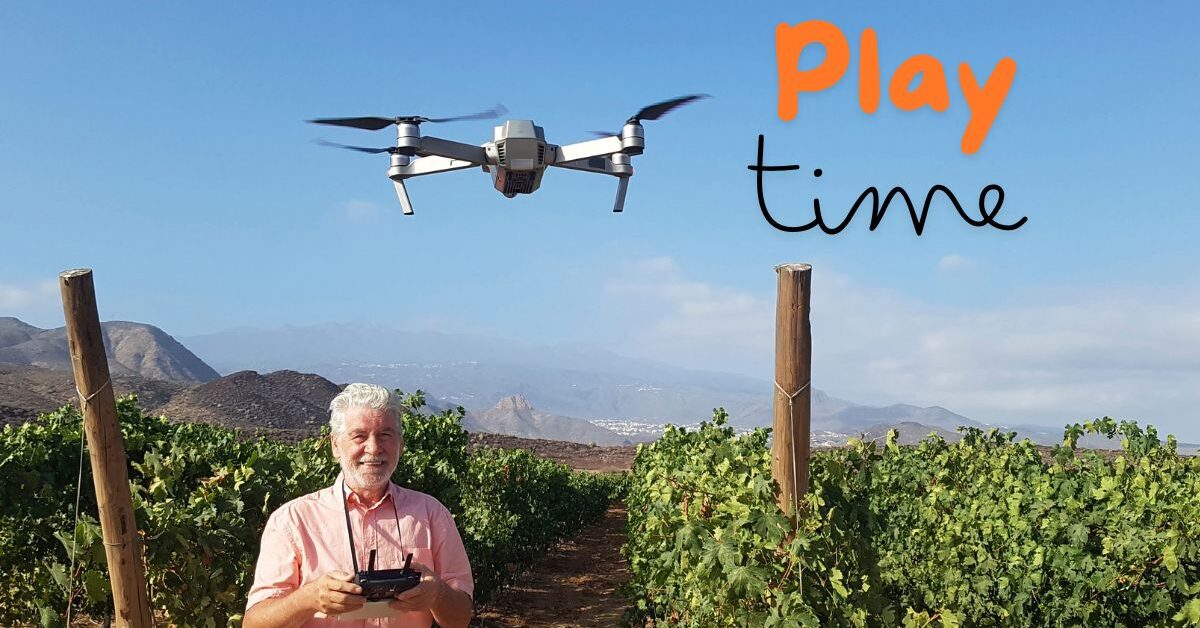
(350,533)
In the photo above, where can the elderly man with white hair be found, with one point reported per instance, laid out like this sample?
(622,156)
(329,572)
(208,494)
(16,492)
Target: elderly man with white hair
(303,576)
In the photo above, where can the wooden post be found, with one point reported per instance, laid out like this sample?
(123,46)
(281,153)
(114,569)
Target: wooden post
(106,449)
(793,373)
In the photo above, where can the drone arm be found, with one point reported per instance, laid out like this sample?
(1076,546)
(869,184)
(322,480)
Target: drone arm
(402,193)
(429,165)
(605,165)
(401,170)
(599,165)
(583,150)
(457,151)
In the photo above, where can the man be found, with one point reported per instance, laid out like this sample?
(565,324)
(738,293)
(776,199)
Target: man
(303,574)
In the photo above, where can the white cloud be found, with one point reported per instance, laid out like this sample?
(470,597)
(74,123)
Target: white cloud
(954,263)
(35,303)
(361,211)
(16,297)
(1132,357)
(1080,356)
(662,266)
(692,323)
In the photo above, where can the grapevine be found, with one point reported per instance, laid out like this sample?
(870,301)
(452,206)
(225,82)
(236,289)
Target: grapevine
(986,531)
(202,494)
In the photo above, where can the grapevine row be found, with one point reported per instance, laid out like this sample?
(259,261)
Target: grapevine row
(985,531)
(202,494)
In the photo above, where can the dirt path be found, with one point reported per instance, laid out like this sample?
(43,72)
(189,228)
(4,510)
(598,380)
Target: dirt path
(574,585)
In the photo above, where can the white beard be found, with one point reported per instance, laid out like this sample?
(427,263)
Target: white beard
(363,477)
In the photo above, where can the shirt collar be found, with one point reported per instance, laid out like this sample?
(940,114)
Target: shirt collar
(352,498)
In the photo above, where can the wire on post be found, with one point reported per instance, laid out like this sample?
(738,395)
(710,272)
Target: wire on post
(791,427)
(83,401)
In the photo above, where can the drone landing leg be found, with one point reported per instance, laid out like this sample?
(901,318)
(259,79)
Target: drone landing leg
(622,188)
(402,193)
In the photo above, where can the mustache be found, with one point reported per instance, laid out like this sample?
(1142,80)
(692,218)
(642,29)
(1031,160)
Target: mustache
(371,459)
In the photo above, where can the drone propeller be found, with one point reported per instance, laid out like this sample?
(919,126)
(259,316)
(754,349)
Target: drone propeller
(361,149)
(653,112)
(376,123)
(658,110)
(487,114)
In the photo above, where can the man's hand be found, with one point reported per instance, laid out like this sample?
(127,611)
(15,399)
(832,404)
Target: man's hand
(334,593)
(423,596)
(331,594)
(450,607)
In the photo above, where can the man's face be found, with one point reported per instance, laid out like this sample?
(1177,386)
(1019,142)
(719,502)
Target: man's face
(369,449)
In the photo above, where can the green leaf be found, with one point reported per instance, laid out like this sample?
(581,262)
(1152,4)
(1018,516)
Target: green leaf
(1169,559)
(1190,613)
(835,580)
(49,617)
(96,586)
(59,573)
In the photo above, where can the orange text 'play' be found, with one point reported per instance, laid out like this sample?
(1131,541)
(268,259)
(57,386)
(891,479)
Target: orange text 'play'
(931,89)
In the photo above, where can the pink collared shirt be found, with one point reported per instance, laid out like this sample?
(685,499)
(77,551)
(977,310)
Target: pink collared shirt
(306,538)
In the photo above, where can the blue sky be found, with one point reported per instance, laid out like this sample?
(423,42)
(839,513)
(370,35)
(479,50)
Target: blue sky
(164,146)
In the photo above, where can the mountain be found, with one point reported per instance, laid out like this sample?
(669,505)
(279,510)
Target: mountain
(1051,436)
(854,418)
(285,403)
(575,383)
(291,405)
(14,331)
(477,372)
(585,382)
(133,349)
(27,391)
(514,416)
(909,433)
(385,346)
(591,384)
(281,400)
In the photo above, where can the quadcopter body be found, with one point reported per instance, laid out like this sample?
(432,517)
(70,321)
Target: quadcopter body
(518,155)
(519,152)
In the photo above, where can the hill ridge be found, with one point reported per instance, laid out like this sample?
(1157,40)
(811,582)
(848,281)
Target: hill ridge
(133,349)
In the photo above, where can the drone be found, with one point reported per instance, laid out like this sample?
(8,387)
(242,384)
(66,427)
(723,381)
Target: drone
(517,156)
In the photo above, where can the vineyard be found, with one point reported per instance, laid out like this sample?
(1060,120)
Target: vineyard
(983,532)
(202,494)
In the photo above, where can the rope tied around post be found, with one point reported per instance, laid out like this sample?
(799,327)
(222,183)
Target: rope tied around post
(791,418)
(85,399)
